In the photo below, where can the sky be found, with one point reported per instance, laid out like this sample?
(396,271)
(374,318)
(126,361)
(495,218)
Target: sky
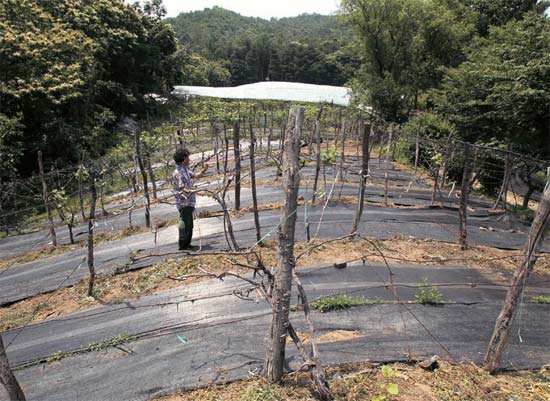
(256,8)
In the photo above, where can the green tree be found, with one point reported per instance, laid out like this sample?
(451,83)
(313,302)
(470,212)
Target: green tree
(70,69)
(404,43)
(499,12)
(502,93)
(11,145)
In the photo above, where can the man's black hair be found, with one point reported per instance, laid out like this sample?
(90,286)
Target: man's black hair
(180,155)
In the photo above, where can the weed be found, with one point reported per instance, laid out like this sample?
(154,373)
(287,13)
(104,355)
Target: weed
(388,389)
(540,299)
(261,393)
(57,356)
(523,213)
(428,294)
(335,302)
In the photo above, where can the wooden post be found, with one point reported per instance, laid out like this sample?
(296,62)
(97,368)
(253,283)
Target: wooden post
(270,135)
(253,183)
(317,131)
(436,180)
(416,153)
(448,148)
(275,353)
(464,195)
(365,130)
(46,198)
(505,319)
(91,220)
(390,135)
(226,149)
(144,177)
(237,158)
(386,176)
(150,170)
(7,378)
(505,179)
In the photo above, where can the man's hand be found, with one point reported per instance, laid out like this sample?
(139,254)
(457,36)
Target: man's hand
(201,173)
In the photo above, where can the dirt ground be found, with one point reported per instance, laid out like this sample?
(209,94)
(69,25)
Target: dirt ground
(135,284)
(364,382)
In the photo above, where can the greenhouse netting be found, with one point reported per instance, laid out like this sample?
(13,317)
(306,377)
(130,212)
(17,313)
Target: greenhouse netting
(289,91)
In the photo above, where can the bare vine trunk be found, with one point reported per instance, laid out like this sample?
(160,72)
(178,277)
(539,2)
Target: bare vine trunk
(253,183)
(275,353)
(7,377)
(144,177)
(237,157)
(464,195)
(506,317)
(46,198)
(91,220)
(365,131)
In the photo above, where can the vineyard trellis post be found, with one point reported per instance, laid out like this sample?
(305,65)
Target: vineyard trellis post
(275,352)
(317,131)
(237,158)
(536,237)
(464,195)
(416,153)
(365,130)
(91,222)
(144,177)
(253,183)
(46,199)
(502,194)
(7,378)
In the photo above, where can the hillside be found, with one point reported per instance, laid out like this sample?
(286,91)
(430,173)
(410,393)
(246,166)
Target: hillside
(309,48)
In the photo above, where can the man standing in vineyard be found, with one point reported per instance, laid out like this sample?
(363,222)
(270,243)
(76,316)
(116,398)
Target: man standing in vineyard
(185,195)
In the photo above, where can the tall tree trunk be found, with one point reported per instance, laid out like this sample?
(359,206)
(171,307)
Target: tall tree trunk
(7,377)
(365,130)
(506,317)
(275,353)
(144,177)
(91,221)
(253,183)
(464,195)
(46,199)
(237,157)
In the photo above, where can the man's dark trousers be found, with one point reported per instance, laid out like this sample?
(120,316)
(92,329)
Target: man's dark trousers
(186,232)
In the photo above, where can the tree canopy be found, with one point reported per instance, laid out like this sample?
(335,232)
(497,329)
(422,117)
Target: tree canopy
(69,69)
(308,48)
(502,92)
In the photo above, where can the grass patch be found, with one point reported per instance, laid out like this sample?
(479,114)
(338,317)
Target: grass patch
(261,393)
(57,356)
(540,299)
(428,294)
(523,213)
(338,302)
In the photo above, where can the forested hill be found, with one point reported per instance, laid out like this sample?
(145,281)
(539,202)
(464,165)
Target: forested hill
(235,50)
